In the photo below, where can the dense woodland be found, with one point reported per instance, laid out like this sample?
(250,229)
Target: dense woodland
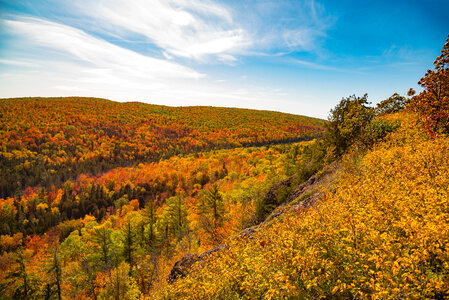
(100,199)
(177,179)
(381,230)
(145,216)
(46,141)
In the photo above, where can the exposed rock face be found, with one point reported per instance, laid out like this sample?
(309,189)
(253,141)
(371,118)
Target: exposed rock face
(311,187)
(271,194)
(248,232)
(307,192)
(182,267)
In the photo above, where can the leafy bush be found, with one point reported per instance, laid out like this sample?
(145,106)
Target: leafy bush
(376,130)
(393,104)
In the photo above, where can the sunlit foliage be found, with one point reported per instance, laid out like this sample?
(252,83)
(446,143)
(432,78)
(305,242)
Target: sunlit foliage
(46,141)
(381,231)
(119,233)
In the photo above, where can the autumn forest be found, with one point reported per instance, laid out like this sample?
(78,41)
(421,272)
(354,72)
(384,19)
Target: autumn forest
(127,200)
(142,184)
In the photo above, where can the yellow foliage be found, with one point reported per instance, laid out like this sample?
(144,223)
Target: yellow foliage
(7,208)
(42,206)
(381,231)
(87,219)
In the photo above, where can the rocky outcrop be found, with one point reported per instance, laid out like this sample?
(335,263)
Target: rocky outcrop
(182,267)
(311,189)
(305,195)
(272,193)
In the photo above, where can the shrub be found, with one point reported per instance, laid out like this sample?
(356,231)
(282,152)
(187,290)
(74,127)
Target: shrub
(376,130)
(393,104)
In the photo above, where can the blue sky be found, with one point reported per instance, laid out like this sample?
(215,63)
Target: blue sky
(299,57)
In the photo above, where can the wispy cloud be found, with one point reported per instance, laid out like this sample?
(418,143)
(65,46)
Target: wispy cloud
(283,27)
(19,63)
(190,29)
(73,62)
(317,66)
(301,39)
(98,53)
(208,31)
(156,51)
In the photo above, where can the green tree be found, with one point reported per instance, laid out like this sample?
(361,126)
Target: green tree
(393,104)
(173,223)
(148,226)
(102,237)
(129,243)
(54,273)
(20,283)
(346,122)
(75,251)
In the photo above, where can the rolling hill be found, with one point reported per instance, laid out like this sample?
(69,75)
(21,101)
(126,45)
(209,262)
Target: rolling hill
(45,141)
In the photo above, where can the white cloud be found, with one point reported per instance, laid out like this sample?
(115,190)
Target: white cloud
(96,52)
(71,89)
(317,66)
(19,63)
(300,39)
(279,27)
(191,29)
(67,61)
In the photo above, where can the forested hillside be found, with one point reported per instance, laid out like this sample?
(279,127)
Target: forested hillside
(380,231)
(136,219)
(140,184)
(46,141)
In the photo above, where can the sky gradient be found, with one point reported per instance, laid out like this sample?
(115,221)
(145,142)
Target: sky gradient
(298,57)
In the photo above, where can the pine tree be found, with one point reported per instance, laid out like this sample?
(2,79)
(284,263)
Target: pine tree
(54,272)
(148,224)
(102,237)
(212,211)
(173,222)
(129,243)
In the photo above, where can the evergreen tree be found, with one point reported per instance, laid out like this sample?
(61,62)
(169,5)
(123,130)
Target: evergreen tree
(102,237)
(129,243)
(20,283)
(54,273)
(148,226)
(120,286)
(212,211)
(174,220)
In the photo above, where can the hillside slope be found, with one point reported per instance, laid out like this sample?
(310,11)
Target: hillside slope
(141,219)
(45,141)
(381,230)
